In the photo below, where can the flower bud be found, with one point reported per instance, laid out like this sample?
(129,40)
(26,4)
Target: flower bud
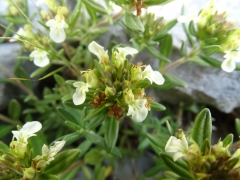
(29,173)
(136,73)
(92,78)
(18,149)
(128,96)
(109,91)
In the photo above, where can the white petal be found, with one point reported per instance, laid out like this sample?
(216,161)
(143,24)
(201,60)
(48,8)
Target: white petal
(79,97)
(57,34)
(177,155)
(157,77)
(41,61)
(140,115)
(31,127)
(63,24)
(51,23)
(79,84)
(228,65)
(96,49)
(45,149)
(130,110)
(127,51)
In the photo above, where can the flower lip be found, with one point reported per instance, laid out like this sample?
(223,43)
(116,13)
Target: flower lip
(153,76)
(138,110)
(40,58)
(80,94)
(27,131)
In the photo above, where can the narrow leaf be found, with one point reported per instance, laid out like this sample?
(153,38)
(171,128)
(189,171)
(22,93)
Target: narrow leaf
(95,6)
(228,140)
(202,128)
(237,126)
(14,109)
(166,46)
(155,106)
(133,22)
(111,133)
(176,167)
(62,161)
(209,50)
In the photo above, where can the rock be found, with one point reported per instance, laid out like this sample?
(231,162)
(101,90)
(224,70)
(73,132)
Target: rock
(8,57)
(205,85)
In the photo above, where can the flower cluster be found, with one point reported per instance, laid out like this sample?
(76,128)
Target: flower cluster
(216,162)
(214,28)
(117,84)
(20,159)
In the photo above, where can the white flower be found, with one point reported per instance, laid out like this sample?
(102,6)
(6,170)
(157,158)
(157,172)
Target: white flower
(231,57)
(138,110)
(52,150)
(57,33)
(153,76)
(80,95)
(27,131)
(39,57)
(127,51)
(178,146)
(99,51)
(16,36)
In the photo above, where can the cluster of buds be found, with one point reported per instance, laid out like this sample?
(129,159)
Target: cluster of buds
(117,84)
(12,10)
(215,163)
(214,28)
(152,28)
(17,163)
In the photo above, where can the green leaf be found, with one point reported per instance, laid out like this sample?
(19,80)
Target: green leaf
(237,126)
(156,2)
(156,141)
(94,157)
(72,125)
(52,73)
(133,22)
(84,147)
(170,81)
(215,63)
(177,167)
(92,137)
(232,162)
(70,138)
(14,109)
(95,122)
(170,130)
(183,49)
(155,170)
(155,106)
(165,30)
(66,115)
(59,79)
(5,130)
(209,50)
(7,32)
(4,147)
(228,140)
(91,4)
(166,46)
(153,51)
(75,15)
(98,67)
(37,143)
(96,113)
(206,147)
(69,174)
(189,37)
(39,71)
(192,29)
(111,132)
(62,161)
(202,128)
(45,176)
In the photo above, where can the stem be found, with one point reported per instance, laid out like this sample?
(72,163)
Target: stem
(175,63)
(102,23)
(17,82)
(8,120)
